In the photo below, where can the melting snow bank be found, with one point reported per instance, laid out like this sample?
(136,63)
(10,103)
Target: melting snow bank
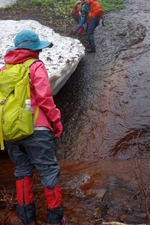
(61,60)
(4,3)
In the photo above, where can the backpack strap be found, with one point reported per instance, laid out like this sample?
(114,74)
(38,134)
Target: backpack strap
(103,23)
(1,133)
(29,63)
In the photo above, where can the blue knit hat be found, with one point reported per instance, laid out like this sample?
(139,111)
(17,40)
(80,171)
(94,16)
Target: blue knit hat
(28,39)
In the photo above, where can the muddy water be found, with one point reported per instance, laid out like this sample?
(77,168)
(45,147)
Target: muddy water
(104,149)
(109,103)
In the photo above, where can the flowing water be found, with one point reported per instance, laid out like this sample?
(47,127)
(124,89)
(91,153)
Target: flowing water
(104,149)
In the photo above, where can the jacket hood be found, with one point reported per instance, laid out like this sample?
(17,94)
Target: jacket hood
(20,56)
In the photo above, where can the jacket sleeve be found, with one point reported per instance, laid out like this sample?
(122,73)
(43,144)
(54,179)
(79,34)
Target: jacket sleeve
(43,94)
(82,21)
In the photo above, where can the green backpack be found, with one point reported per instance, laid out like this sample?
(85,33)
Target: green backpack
(16,122)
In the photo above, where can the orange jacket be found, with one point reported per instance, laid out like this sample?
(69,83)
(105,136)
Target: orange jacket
(96,9)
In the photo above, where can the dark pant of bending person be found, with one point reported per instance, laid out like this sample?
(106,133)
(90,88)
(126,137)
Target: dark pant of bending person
(93,23)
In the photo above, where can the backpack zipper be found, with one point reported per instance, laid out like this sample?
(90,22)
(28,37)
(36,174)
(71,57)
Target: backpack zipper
(3,103)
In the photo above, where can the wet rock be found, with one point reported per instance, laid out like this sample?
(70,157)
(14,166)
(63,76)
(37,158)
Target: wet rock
(136,32)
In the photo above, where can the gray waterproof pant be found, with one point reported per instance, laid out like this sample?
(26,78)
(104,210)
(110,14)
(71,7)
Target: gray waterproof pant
(35,151)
